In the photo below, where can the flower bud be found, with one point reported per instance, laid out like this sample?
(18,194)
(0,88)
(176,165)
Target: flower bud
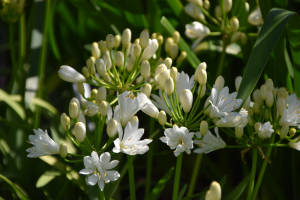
(162,118)
(79,131)
(145,69)
(144,39)
(168,62)
(107,77)
(169,86)
(239,132)
(102,46)
(257,125)
(220,82)
(65,122)
(270,85)
(93,69)
(103,108)
(267,114)
(247,6)
(94,93)
(119,60)
(234,23)
(186,100)
(73,110)
(100,66)
(181,57)
(270,99)
(63,150)
(281,105)
(101,95)
(168,44)
(174,73)
(282,92)
(238,81)
(292,132)
(162,79)
(263,92)
(154,36)
(202,91)
(129,65)
(117,41)
(112,128)
(200,66)
(202,77)
(244,38)
(174,51)
(284,131)
(250,111)
(203,127)
(80,88)
(227,5)
(95,50)
(160,39)
(206,4)
(81,118)
(137,50)
(69,74)
(107,60)
(126,37)
(236,36)
(85,72)
(214,192)
(147,90)
(176,36)
(256,97)
(218,12)
(256,108)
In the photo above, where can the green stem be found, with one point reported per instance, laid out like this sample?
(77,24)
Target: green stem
(100,131)
(222,59)
(173,115)
(262,170)
(252,176)
(101,194)
(177,177)
(42,63)
(131,177)
(194,175)
(149,160)
(73,161)
(12,51)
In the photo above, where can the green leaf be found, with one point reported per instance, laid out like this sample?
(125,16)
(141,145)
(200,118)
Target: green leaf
(160,185)
(45,179)
(182,192)
(14,105)
(20,192)
(183,46)
(268,36)
(236,193)
(44,104)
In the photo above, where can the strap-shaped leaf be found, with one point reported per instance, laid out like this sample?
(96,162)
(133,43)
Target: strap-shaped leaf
(20,192)
(268,36)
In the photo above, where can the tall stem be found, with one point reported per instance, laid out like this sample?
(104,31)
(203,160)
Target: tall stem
(42,63)
(262,170)
(177,176)
(101,194)
(131,177)
(100,131)
(252,176)
(149,160)
(222,59)
(194,175)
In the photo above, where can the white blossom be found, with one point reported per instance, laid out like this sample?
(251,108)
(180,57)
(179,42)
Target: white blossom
(265,130)
(291,116)
(234,120)
(196,31)
(295,145)
(69,74)
(150,50)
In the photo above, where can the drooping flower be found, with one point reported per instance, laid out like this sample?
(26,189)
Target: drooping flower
(234,120)
(69,74)
(196,31)
(129,142)
(43,145)
(255,18)
(209,142)
(179,139)
(222,103)
(99,169)
(264,130)
(291,116)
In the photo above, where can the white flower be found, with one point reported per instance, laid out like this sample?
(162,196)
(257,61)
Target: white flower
(148,108)
(295,145)
(150,50)
(69,74)
(98,169)
(209,142)
(291,116)
(265,130)
(197,30)
(43,145)
(255,18)
(179,139)
(194,11)
(222,103)
(130,142)
(234,119)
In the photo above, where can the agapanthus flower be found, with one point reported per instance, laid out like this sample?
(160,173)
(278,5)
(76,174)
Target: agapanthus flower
(99,169)
(209,142)
(291,116)
(69,74)
(264,130)
(129,142)
(235,120)
(196,31)
(295,145)
(43,145)
(179,139)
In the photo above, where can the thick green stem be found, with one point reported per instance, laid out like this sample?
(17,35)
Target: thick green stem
(252,176)
(131,177)
(262,170)
(177,177)
(42,63)
(194,175)
(149,160)
(101,194)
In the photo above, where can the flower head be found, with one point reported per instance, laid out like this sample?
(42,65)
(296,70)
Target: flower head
(69,74)
(209,142)
(99,169)
(179,139)
(43,145)
(129,142)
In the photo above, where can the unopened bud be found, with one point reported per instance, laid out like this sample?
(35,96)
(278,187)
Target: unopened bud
(110,43)
(81,118)
(80,88)
(107,77)
(93,69)
(63,150)
(236,36)
(103,108)
(168,44)
(144,39)
(137,50)
(206,4)
(234,24)
(162,79)
(94,93)
(126,37)
(270,85)
(174,73)
(73,110)
(218,12)
(85,72)
(203,127)
(100,66)
(202,91)
(147,90)
(270,99)
(292,132)
(168,62)
(65,122)
(176,36)
(174,51)
(112,128)
(117,41)
(244,38)
(95,50)
(136,41)
(202,77)
(169,86)
(139,79)
(281,105)
(200,66)
(227,5)
(107,60)
(119,60)
(219,83)
(160,39)
(257,126)
(154,36)
(162,118)
(145,69)
(79,131)
(263,92)
(214,192)
(102,46)
(186,100)
(181,57)
(239,132)
(284,131)
(101,95)
(129,65)
(282,92)
(238,81)
(256,108)
(256,97)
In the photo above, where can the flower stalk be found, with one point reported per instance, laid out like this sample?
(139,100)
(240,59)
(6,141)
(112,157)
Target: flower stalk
(177,177)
